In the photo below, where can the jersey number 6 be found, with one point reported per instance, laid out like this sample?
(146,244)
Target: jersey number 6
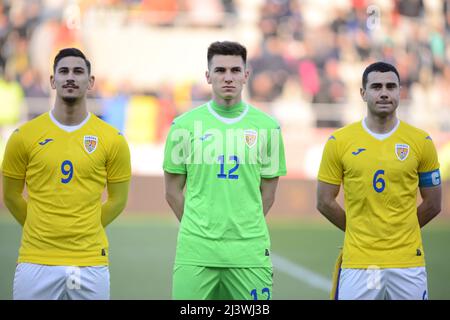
(378,182)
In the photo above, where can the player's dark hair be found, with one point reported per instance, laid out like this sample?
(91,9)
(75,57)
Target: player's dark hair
(378,67)
(226,48)
(71,52)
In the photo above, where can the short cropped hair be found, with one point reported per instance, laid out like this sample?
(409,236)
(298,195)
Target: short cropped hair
(378,67)
(71,52)
(227,48)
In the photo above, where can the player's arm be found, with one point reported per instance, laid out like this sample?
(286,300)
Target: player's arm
(327,204)
(431,204)
(174,184)
(268,188)
(429,184)
(13,198)
(116,202)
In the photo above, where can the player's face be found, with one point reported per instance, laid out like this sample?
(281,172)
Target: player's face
(71,79)
(227,76)
(382,93)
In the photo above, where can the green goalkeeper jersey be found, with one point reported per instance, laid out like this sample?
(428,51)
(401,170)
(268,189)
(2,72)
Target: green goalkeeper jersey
(224,152)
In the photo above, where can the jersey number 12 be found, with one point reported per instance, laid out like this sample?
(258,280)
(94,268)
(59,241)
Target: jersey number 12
(222,174)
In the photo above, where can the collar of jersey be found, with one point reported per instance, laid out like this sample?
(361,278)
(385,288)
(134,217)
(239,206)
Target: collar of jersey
(380,136)
(228,115)
(69,128)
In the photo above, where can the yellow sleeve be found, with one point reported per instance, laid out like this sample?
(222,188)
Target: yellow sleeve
(15,160)
(118,165)
(331,168)
(429,159)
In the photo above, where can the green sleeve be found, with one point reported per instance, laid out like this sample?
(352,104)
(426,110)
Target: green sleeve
(273,158)
(176,150)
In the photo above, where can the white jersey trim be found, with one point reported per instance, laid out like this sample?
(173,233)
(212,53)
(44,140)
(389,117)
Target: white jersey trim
(380,136)
(69,128)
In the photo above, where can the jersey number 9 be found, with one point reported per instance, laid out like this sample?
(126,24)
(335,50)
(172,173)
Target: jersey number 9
(67,171)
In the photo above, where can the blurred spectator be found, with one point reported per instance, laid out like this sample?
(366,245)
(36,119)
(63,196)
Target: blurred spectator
(443,103)
(362,44)
(18,61)
(229,6)
(332,88)
(269,72)
(411,8)
(308,73)
(332,91)
(32,84)
(339,22)
(408,70)
(437,45)
(357,19)
(281,18)
(446,13)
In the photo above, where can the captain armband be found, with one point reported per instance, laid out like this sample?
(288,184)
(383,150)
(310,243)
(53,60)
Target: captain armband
(429,179)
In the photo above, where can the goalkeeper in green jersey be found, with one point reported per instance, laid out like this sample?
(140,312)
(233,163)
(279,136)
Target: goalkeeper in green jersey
(228,156)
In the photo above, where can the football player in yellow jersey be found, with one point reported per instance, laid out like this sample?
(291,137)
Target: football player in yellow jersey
(381,161)
(65,157)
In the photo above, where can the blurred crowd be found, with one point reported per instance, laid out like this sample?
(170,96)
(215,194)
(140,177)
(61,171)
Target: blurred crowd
(308,53)
(319,57)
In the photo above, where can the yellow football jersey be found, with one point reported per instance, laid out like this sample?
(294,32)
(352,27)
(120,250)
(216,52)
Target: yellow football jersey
(380,180)
(66,174)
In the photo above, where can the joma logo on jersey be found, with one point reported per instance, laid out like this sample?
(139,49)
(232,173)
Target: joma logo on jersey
(402,151)
(90,143)
(205,137)
(355,153)
(251,137)
(43,143)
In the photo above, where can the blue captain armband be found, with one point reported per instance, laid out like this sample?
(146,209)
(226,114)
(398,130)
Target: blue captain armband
(429,179)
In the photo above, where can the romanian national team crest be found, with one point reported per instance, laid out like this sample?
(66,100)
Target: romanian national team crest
(250,137)
(402,151)
(90,143)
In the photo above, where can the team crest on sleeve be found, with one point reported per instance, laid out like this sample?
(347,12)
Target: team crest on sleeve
(251,137)
(402,151)
(90,143)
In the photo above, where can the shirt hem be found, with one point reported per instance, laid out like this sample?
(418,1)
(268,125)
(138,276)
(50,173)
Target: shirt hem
(223,265)
(169,170)
(63,262)
(330,181)
(281,174)
(9,175)
(119,180)
(382,265)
